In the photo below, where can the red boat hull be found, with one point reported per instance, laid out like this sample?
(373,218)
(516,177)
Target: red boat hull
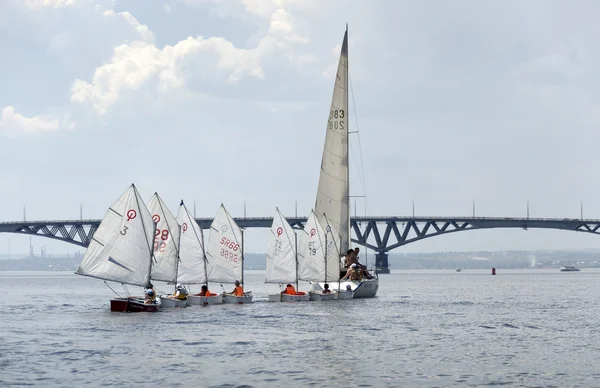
(127,305)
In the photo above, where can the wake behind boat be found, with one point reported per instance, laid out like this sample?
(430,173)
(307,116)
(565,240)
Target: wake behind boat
(333,193)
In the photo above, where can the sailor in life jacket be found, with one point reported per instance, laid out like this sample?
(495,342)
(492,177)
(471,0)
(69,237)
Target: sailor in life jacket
(180,292)
(289,289)
(238,290)
(150,297)
(204,291)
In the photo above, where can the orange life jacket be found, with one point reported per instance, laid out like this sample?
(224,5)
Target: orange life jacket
(239,291)
(290,290)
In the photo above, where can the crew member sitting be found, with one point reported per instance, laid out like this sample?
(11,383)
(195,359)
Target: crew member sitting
(289,289)
(238,290)
(150,297)
(180,292)
(326,289)
(204,291)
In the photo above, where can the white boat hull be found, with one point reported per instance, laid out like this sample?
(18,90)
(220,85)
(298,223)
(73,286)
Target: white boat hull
(247,298)
(196,300)
(344,294)
(305,297)
(320,297)
(366,288)
(165,301)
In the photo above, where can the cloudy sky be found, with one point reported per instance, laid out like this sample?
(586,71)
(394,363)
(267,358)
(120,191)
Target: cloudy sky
(216,101)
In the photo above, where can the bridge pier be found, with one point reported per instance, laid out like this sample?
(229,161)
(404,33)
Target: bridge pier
(381,263)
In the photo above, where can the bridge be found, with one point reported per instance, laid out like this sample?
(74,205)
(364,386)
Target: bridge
(381,234)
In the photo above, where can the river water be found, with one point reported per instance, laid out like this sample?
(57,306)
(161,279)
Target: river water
(522,328)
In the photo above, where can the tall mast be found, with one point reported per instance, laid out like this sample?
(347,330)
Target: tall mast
(345,50)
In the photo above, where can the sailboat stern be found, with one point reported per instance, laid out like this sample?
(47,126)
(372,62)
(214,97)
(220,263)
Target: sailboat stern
(233,299)
(130,305)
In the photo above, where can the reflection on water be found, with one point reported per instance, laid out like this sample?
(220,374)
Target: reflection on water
(425,328)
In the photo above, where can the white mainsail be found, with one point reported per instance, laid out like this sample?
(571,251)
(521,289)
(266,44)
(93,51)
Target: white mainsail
(281,255)
(311,254)
(192,268)
(121,248)
(166,241)
(224,249)
(333,190)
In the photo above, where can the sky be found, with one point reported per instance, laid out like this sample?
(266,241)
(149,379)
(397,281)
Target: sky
(225,101)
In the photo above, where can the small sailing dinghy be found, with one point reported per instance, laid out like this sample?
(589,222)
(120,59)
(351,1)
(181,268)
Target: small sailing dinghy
(193,266)
(333,193)
(166,248)
(313,263)
(282,260)
(226,255)
(121,250)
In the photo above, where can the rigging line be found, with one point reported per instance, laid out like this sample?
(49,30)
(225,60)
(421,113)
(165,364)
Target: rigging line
(358,134)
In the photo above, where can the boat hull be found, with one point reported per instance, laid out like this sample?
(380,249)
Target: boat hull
(300,296)
(232,299)
(165,301)
(130,305)
(317,296)
(196,300)
(366,288)
(344,294)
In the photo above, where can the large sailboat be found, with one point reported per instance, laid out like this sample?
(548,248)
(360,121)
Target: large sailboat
(282,260)
(121,250)
(193,267)
(333,194)
(166,248)
(226,255)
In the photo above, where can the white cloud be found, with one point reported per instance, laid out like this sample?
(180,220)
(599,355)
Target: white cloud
(133,65)
(38,4)
(13,123)
(142,29)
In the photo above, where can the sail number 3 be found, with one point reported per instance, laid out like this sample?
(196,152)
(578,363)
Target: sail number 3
(336,119)
(160,238)
(226,252)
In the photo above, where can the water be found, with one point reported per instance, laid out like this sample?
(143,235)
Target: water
(523,328)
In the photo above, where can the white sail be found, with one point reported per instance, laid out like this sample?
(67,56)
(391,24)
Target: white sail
(333,249)
(224,249)
(281,255)
(333,190)
(121,248)
(311,255)
(192,268)
(166,241)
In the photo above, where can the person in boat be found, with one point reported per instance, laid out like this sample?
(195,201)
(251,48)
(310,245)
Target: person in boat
(150,296)
(289,289)
(149,286)
(350,258)
(204,291)
(363,268)
(238,290)
(180,292)
(326,289)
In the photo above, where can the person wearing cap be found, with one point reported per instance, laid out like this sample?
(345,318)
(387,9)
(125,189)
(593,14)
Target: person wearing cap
(150,296)
(238,290)
(180,292)
(289,289)
(352,269)
(149,286)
